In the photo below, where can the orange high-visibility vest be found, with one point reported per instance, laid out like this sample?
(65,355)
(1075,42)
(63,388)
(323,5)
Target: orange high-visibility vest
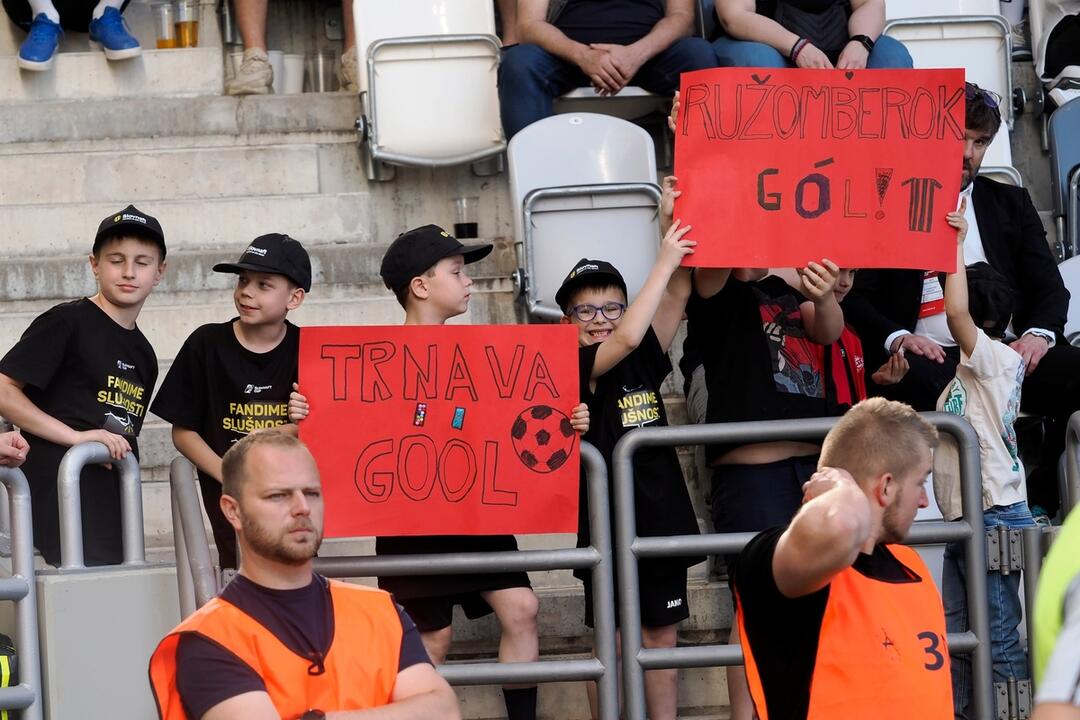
(881,650)
(361,665)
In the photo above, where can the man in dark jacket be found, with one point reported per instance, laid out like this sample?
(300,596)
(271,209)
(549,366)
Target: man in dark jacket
(903,310)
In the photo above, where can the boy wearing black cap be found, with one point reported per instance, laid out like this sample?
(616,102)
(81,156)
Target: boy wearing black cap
(233,378)
(425,269)
(986,393)
(623,363)
(84,372)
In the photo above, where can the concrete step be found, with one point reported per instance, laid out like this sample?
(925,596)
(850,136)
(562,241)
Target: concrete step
(81,75)
(40,231)
(57,278)
(123,122)
(115,177)
(81,72)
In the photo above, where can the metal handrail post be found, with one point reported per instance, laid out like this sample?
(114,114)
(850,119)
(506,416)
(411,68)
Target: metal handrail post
(597,557)
(629,548)
(28,694)
(199,564)
(131,515)
(184,584)
(607,689)
(1072,464)
(971,500)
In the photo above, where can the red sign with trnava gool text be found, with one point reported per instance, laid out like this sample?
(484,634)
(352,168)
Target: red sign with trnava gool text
(444,429)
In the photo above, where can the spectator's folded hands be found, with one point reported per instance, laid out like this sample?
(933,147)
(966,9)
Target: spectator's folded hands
(819,279)
(599,66)
(626,58)
(812,57)
(852,57)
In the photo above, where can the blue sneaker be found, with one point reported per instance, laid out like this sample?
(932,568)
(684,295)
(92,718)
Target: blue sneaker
(39,48)
(110,33)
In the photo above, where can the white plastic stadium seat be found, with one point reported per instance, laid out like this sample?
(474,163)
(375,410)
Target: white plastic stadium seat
(981,45)
(929,8)
(1070,274)
(428,80)
(586,185)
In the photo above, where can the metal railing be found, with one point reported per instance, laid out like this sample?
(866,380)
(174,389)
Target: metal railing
(131,513)
(629,548)
(197,580)
(22,590)
(601,668)
(1070,488)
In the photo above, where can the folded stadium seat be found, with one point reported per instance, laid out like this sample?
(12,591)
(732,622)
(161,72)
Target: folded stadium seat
(981,44)
(1064,141)
(422,60)
(1070,274)
(938,8)
(1006,174)
(1066,84)
(582,185)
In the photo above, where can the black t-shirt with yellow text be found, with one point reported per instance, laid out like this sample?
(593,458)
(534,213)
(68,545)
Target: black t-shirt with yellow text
(82,368)
(626,397)
(223,391)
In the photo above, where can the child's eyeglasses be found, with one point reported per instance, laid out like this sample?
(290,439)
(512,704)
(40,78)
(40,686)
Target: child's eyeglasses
(586,313)
(990,98)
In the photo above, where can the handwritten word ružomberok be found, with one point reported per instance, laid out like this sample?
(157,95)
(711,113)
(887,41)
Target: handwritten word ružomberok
(753,111)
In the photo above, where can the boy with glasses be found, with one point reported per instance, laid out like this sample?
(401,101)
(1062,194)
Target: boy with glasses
(623,364)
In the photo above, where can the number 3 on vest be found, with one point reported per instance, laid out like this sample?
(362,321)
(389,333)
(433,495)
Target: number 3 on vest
(937,660)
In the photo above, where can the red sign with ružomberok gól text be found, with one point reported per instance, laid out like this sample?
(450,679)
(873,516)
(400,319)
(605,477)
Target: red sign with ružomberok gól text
(778,167)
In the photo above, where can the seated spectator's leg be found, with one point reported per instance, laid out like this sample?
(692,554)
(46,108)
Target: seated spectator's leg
(889,53)
(923,383)
(99,9)
(661,74)
(1052,391)
(954,598)
(1009,658)
(744,53)
(254,76)
(529,80)
(437,643)
(349,64)
(46,8)
(251,21)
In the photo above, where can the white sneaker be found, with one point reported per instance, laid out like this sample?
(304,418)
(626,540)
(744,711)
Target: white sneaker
(254,76)
(348,71)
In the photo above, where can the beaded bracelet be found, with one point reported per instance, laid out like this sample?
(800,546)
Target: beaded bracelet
(797,48)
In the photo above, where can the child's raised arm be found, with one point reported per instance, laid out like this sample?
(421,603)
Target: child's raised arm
(957,313)
(641,313)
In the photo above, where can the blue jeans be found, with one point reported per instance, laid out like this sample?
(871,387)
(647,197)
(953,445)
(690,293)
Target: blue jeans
(1003,596)
(887,53)
(530,78)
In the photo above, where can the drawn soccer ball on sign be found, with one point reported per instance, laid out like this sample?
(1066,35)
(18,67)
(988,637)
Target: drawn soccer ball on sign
(543,438)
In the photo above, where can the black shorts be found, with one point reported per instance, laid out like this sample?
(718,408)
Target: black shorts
(662,593)
(435,613)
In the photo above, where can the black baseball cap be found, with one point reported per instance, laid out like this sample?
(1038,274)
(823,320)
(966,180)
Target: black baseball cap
(130,221)
(415,251)
(274,253)
(588,271)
